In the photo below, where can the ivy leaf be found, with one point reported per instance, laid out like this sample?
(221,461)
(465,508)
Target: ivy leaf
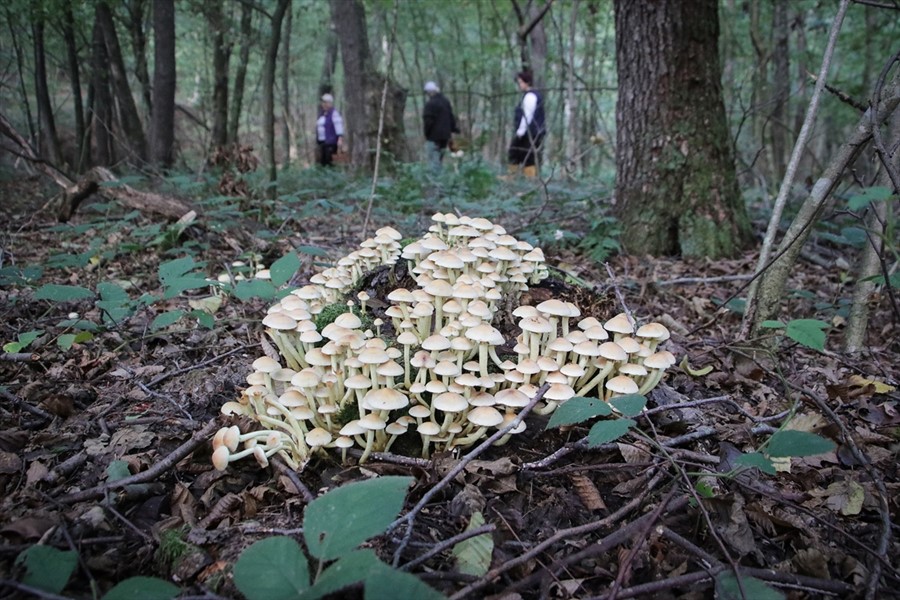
(47,568)
(342,519)
(284,268)
(578,409)
(62,293)
(789,442)
(608,431)
(272,569)
(808,332)
(629,405)
(144,588)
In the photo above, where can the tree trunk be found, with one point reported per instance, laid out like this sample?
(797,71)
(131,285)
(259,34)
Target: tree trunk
(676,189)
(221,58)
(772,283)
(781,89)
(20,69)
(162,129)
(240,73)
(268,89)
(570,109)
(136,11)
(48,140)
(329,63)
(101,110)
(758,95)
(68,29)
(286,115)
(128,114)
(362,90)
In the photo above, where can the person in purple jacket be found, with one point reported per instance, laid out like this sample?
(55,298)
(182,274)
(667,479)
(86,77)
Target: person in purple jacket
(329,131)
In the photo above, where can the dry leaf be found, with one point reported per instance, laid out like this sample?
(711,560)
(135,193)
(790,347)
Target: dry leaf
(587,492)
(879,387)
(9,463)
(36,472)
(58,404)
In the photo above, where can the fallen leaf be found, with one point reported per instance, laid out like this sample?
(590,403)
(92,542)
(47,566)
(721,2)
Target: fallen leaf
(587,492)
(28,528)
(879,387)
(10,463)
(37,471)
(845,497)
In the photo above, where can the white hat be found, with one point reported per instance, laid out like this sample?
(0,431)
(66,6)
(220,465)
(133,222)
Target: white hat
(431,87)
(328,98)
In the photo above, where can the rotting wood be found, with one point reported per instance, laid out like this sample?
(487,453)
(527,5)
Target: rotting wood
(75,192)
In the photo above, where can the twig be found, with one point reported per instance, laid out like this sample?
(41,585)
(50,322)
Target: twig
(19,403)
(36,592)
(196,440)
(723,399)
(410,517)
(451,541)
(288,472)
(165,397)
(163,376)
(388,457)
(686,280)
(618,292)
(863,459)
(20,357)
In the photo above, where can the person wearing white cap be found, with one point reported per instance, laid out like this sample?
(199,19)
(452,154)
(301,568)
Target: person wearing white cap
(329,131)
(440,125)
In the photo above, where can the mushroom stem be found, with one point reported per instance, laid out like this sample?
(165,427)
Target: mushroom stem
(370,439)
(597,380)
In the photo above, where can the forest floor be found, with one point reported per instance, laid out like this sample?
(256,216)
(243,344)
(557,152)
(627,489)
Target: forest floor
(659,514)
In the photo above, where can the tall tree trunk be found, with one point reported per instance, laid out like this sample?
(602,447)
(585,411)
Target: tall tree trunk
(101,109)
(781,88)
(47,137)
(136,11)
(758,95)
(329,63)
(162,129)
(221,58)
(240,73)
(676,190)
(20,69)
(68,29)
(268,88)
(570,109)
(286,113)
(128,114)
(362,90)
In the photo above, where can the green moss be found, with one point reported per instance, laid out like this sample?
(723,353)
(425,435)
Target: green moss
(172,547)
(333,311)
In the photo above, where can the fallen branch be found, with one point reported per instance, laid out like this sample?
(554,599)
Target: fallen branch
(174,457)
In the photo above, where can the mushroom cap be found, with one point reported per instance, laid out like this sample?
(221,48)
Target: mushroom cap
(429,428)
(419,411)
(482,399)
(512,398)
(633,370)
(279,321)
(554,307)
(305,378)
(596,333)
(653,331)
(372,422)
(348,320)
(485,416)
(536,324)
(385,399)
(352,428)
(629,344)
(373,356)
(559,392)
(485,333)
(449,402)
(290,399)
(613,351)
(358,382)
(439,288)
(343,442)
(622,384)
(446,368)
(266,364)
(318,437)
(401,295)
(395,428)
(390,369)
(220,458)
(528,367)
(619,324)
(435,386)
(435,342)
(660,360)
(390,232)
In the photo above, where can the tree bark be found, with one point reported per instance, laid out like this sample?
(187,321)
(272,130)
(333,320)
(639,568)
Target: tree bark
(240,73)
(101,109)
(136,11)
(570,109)
(772,283)
(221,58)
(329,63)
(268,89)
(162,130)
(287,120)
(82,141)
(676,190)
(48,140)
(129,119)
(362,90)
(781,89)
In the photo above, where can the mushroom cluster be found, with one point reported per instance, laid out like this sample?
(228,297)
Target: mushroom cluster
(439,376)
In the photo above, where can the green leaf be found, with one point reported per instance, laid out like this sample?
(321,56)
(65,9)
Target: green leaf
(808,332)
(345,517)
(578,409)
(727,588)
(47,568)
(254,288)
(473,556)
(789,442)
(165,319)
(380,580)
(390,584)
(204,318)
(112,292)
(869,195)
(142,588)
(62,293)
(176,268)
(177,285)
(772,324)
(757,460)
(272,569)
(312,250)
(24,339)
(83,336)
(12,347)
(65,341)
(284,268)
(117,469)
(629,405)
(608,431)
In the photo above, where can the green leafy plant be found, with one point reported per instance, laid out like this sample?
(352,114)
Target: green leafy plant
(806,332)
(23,340)
(334,526)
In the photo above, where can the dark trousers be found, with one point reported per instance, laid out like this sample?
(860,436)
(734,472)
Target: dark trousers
(525,150)
(326,154)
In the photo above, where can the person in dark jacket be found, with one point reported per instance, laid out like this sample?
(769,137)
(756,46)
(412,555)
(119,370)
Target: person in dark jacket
(524,151)
(329,131)
(440,125)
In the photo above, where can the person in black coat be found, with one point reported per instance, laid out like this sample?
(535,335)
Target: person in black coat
(440,125)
